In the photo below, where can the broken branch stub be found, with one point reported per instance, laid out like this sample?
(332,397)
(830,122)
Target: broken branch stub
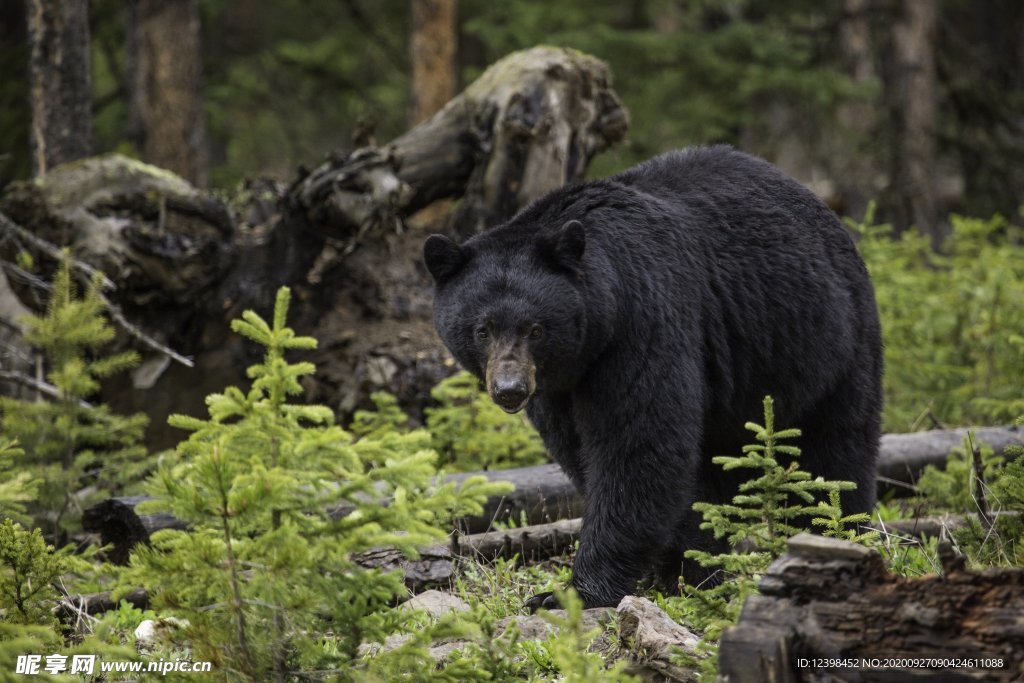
(529,125)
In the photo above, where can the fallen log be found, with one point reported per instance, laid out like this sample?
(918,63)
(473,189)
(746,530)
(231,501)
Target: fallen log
(543,494)
(903,457)
(73,608)
(433,568)
(537,542)
(829,610)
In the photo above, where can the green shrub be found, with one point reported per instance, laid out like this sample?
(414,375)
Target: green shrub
(952,322)
(468,431)
(569,647)
(993,532)
(17,488)
(30,573)
(771,506)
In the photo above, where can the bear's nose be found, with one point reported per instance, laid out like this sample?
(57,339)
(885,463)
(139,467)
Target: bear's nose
(510,394)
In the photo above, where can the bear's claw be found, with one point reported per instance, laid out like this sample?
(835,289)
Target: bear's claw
(543,601)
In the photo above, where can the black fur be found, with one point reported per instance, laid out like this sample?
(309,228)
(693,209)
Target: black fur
(701,281)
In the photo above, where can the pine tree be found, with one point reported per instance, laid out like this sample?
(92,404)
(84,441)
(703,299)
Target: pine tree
(264,575)
(17,488)
(769,506)
(72,445)
(30,572)
(777,502)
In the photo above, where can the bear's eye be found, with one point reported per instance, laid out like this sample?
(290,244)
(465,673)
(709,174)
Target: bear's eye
(481,333)
(536,332)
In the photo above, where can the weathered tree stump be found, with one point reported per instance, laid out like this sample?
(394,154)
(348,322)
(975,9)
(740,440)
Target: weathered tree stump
(829,610)
(184,262)
(529,125)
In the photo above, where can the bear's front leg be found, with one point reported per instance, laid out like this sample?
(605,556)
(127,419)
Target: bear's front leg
(641,462)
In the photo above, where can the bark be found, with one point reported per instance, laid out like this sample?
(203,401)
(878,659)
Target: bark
(543,495)
(432,57)
(530,543)
(59,75)
(166,86)
(529,125)
(833,600)
(851,160)
(15,353)
(913,97)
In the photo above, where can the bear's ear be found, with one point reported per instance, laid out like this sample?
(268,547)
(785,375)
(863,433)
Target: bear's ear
(444,258)
(563,247)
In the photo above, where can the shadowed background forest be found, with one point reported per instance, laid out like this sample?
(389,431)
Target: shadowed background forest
(915,105)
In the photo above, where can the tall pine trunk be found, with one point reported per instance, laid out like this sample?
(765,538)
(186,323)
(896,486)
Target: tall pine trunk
(853,160)
(167,103)
(913,98)
(432,53)
(59,76)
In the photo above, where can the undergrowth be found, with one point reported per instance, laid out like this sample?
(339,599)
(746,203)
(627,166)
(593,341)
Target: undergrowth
(952,322)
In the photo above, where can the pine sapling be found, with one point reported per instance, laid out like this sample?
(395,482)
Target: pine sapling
(778,501)
(265,576)
(470,432)
(70,444)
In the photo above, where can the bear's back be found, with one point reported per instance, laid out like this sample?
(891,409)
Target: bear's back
(725,184)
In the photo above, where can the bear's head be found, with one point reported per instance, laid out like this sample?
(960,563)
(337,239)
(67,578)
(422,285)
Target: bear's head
(509,305)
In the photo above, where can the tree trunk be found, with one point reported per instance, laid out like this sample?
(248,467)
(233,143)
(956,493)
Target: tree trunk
(829,610)
(913,97)
(166,92)
(432,56)
(529,125)
(59,75)
(852,161)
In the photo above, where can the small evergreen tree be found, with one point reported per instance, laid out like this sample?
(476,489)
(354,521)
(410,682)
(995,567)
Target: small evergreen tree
(71,445)
(265,577)
(777,502)
(768,508)
(387,416)
(30,571)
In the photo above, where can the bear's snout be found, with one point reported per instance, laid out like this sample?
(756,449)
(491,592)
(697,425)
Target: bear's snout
(510,378)
(510,394)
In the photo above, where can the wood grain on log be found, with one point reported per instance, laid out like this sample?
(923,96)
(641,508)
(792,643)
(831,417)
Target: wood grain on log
(830,604)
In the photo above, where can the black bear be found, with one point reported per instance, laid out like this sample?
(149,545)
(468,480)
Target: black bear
(640,319)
